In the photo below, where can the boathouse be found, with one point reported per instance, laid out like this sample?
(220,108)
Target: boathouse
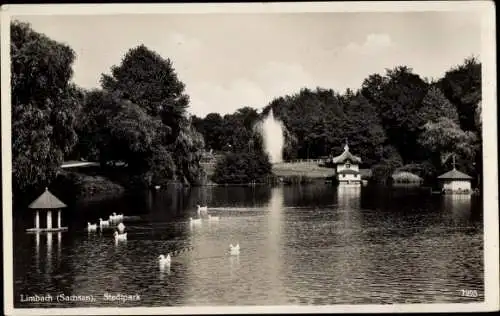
(455,182)
(47,202)
(347,167)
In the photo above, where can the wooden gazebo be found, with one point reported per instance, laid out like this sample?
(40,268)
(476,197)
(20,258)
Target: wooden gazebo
(48,202)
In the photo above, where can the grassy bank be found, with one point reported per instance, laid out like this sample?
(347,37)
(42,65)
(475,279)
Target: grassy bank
(302,169)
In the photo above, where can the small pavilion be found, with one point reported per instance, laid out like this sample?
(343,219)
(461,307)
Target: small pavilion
(47,202)
(455,182)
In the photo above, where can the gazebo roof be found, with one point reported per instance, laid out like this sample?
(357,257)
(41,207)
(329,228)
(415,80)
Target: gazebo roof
(454,175)
(346,155)
(47,201)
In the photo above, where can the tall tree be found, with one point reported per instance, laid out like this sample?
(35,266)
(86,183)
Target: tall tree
(44,106)
(435,106)
(462,86)
(149,80)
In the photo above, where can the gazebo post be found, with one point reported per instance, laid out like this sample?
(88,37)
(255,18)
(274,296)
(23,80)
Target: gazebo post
(59,218)
(49,219)
(37,220)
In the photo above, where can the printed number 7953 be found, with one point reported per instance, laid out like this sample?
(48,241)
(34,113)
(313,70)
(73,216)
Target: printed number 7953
(469,293)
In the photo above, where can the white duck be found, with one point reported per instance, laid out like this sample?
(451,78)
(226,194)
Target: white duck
(119,217)
(120,237)
(121,228)
(234,250)
(103,223)
(91,227)
(195,221)
(213,218)
(165,260)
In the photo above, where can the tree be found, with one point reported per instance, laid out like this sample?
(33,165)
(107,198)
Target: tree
(446,138)
(148,80)
(462,86)
(242,168)
(45,105)
(435,106)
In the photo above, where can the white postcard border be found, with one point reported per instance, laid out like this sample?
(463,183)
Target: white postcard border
(490,173)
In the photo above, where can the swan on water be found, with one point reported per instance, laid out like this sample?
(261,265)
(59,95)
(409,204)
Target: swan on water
(121,227)
(165,260)
(91,227)
(213,218)
(234,250)
(202,208)
(103,223)
(119,237)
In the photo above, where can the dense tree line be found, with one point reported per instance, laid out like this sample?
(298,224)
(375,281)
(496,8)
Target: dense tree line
(136,125)
(394,121)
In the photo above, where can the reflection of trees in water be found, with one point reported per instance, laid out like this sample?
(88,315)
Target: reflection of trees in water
(309,195)
(46,268)
(235,196)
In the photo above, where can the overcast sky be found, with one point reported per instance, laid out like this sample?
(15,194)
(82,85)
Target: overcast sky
(228,61)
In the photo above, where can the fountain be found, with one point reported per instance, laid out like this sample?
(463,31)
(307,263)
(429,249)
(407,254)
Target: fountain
(274,140)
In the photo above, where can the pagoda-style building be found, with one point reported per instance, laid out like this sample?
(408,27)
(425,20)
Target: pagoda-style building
(347,167)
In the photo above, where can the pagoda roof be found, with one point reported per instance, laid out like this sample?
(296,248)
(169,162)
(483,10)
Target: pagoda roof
(47,201)
(454,174)
(346,155)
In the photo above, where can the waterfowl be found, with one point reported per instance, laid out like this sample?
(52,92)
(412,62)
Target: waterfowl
(157,187)
(202,208)
(120,237)
(213,218)
(91,227)
(234,250)
(103,223)
(121,228)
(165,260)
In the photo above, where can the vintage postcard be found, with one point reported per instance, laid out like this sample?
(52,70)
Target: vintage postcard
(249,158)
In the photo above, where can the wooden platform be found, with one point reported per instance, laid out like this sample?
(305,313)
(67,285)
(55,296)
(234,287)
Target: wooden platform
(46,230)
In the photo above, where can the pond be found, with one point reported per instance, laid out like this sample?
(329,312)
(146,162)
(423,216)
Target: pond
(313,244)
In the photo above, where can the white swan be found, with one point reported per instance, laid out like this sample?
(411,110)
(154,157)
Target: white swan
(103,223)
(120,237)
(234,250)
(121,228)
(202,208)
(91,227)
(195,221)
(165,260)
(213,218)
(119,217)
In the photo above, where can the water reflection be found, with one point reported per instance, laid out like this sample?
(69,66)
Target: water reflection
(315,244)
(274,244)
(459,205)
(37,251)
(49,255)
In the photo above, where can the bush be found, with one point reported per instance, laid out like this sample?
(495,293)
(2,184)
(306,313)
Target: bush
(242,168)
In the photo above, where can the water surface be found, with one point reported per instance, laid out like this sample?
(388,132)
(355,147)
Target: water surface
(313,244)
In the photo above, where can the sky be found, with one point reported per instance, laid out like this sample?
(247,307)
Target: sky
(228,61)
